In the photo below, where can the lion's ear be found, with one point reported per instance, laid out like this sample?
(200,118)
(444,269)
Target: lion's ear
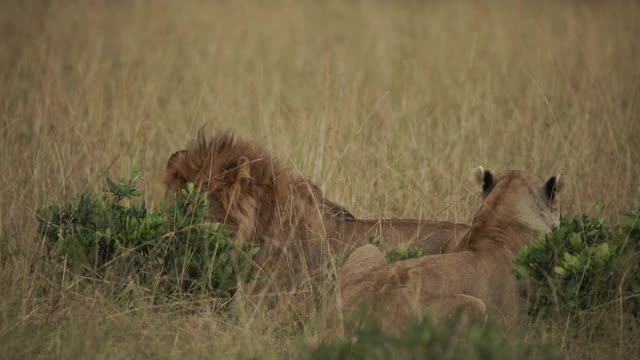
(553,186)
(238,172)
(174,179)
(176,158)
(244,170)
(485,178)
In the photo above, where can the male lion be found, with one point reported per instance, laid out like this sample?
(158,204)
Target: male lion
(477,278)
(267,204)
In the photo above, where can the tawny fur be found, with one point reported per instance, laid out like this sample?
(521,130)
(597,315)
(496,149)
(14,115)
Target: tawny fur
(267,204)
(478,277)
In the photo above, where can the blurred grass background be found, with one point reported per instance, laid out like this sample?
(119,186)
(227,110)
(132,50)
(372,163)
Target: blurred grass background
(386,105)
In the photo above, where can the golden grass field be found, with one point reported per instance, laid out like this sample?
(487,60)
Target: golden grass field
(388,106)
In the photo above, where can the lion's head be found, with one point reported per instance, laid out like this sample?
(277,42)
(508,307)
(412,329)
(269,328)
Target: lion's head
(246,188)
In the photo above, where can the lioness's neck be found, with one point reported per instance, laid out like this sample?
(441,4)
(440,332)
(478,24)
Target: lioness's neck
(491,232)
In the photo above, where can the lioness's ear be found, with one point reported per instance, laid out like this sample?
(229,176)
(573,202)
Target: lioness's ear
(484,177)
(553,186)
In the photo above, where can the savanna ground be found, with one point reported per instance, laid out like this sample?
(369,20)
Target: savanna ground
(387,106)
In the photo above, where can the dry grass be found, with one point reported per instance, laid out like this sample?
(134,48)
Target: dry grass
(386,105)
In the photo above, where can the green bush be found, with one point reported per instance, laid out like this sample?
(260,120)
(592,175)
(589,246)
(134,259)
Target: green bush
(630,235)
(581,265)
(425,340)
(402,252)
(630,230)
(173,250)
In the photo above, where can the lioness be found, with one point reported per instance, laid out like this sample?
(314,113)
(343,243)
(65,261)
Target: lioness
(269,205)
(476,278)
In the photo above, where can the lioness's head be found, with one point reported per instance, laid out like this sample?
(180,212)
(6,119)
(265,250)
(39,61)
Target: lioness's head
(521,198)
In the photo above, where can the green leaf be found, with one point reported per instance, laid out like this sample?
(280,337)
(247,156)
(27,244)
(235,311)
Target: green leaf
(374,240)
(112,186)
(253,251)
(522,271)
(576,241)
